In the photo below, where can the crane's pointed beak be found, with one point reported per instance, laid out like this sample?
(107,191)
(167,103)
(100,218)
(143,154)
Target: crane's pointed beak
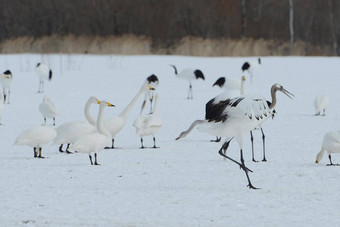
(288,93)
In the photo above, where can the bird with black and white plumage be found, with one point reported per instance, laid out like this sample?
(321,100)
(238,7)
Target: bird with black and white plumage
(44,73)
(320,104)
(189,75)
(250,67)
(6,81)
(153,81)
(231,118)
(331,145)
(48,109)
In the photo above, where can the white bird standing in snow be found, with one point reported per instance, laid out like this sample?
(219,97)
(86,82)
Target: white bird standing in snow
(44,72)
(189,75)
(6,80)
(148,124)
(250,67)
(36,137)
(331,144)
(149,94)
(231,118)
(115,124)
(320,104)
(48,109)
(69,132)
(96,141)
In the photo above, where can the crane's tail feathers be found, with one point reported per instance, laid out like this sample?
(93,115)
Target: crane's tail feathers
(192,126)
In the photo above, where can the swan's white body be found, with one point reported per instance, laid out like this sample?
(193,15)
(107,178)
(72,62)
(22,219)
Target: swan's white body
(148,124)
(115,124)
(48,109)
(320,104)
(44,73)
(68,133)
(36,137)
(330,144)
(189,75)
(6,81)
(96,141)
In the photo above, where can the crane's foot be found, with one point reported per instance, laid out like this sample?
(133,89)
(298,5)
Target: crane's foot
(333,164)
(264,160)
(216,140)
(255,160)
(251,186)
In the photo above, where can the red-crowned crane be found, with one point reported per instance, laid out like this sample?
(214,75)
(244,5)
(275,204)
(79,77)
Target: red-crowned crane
(189,75)
(44,72)
(231,118)
(250,67)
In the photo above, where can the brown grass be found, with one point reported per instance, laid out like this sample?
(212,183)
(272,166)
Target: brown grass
(140,45)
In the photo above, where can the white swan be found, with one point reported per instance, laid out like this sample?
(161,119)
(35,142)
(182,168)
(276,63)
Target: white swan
(48,109)
(44,72)
(116,123)
(97,141)
(6,80)
(331,144)
(36,137)
(148,124)
(68,133)
(320,104)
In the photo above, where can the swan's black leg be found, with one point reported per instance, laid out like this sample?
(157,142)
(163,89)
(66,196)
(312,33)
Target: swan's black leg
(141,143)
(264,146)
(154,142)
(61,148)
(90,159)
(54,121)
(113,146)
(35,152)
(67,151)
(95,159)
(40,149)
(218,139)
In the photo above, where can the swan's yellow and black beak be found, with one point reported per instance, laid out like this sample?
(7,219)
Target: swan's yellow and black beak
(316,161)
(150,88)
(109,104)
(243,78)
(98,102)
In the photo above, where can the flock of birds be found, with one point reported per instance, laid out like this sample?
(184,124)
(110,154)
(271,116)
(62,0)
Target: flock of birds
(230,115)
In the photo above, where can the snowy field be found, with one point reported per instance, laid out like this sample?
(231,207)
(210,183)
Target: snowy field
(184,182)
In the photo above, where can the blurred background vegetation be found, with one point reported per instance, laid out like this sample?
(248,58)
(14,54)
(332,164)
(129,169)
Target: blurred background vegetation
(186,27)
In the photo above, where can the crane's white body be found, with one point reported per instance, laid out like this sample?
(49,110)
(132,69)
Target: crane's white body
(320,104)
(44,73)
(148,124)
(115,124)
(6,81)
(68,133)
(48,109)
(330,144)
(96,141)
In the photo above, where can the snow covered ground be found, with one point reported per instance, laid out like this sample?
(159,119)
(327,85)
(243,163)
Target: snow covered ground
(185,182)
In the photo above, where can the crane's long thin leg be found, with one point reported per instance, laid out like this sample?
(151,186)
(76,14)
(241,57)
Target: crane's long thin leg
(222,153)
(95,159)
(246,171)
(252,145)
(264,146)
(54,121)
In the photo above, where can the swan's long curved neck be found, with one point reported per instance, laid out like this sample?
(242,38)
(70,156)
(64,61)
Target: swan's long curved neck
(320,155)
(100,122)
(128,108)
(88,116)
(242,90)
